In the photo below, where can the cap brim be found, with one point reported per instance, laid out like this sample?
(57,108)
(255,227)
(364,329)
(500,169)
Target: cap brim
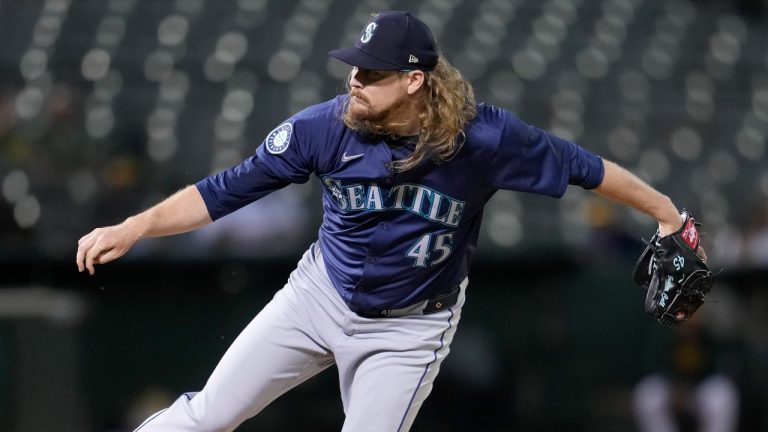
(354,56)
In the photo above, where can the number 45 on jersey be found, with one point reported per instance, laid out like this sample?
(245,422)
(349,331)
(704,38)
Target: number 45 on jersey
(430,250)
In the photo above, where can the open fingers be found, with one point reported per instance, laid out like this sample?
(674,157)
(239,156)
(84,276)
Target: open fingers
(90,248)
(83,246)
(108,255)
(100,246)
(94,256)
(90,255)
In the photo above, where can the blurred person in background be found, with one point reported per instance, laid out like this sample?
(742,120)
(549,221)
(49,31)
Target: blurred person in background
(692,388)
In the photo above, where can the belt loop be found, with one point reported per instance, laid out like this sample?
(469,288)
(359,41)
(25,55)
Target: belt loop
(443,301)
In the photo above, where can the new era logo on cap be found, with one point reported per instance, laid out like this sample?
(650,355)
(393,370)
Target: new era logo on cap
(392,40)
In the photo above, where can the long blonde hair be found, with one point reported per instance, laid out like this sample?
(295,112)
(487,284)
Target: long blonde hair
(448,103)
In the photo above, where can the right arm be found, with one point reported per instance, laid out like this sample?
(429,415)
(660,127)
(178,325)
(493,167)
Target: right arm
(182,212)
(272,167)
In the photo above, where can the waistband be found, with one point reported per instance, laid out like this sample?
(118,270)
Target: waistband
(426,307)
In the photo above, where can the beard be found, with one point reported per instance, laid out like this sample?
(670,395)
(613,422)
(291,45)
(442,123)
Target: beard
(361,116)
(359,109)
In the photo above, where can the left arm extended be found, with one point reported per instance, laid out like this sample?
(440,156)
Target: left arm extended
(626,188)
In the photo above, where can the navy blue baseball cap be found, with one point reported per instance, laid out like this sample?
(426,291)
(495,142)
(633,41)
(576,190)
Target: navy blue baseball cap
(392,40)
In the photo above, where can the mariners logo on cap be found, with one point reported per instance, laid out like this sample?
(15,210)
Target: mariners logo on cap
(279,138)
(368,33)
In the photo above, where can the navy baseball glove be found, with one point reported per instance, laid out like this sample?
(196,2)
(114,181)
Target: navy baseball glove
(675,277)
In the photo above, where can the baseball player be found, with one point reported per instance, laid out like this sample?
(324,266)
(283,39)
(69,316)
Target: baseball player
(407,161)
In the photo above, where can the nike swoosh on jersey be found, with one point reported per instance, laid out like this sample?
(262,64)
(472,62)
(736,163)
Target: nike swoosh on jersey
(345,158)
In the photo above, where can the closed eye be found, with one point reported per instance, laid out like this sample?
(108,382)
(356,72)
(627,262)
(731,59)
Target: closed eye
(367,76)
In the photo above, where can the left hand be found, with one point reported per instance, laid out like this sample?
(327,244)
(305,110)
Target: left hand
(674,272)
(667,228)
(671,226)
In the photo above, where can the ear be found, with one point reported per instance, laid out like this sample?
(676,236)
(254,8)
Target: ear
(415,81)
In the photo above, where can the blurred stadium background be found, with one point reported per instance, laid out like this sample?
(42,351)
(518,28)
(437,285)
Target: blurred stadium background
(106,106)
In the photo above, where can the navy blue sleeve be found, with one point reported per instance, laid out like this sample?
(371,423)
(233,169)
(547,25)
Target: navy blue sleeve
(587,169)
(285,156)
(289,154)
(529,159)
(238,186)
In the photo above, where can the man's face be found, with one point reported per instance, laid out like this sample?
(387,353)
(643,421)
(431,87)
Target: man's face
(376,95)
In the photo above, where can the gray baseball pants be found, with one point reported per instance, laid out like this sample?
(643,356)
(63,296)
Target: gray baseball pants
(386,365)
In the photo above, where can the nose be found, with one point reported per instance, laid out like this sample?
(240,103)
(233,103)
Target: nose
(354,82)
